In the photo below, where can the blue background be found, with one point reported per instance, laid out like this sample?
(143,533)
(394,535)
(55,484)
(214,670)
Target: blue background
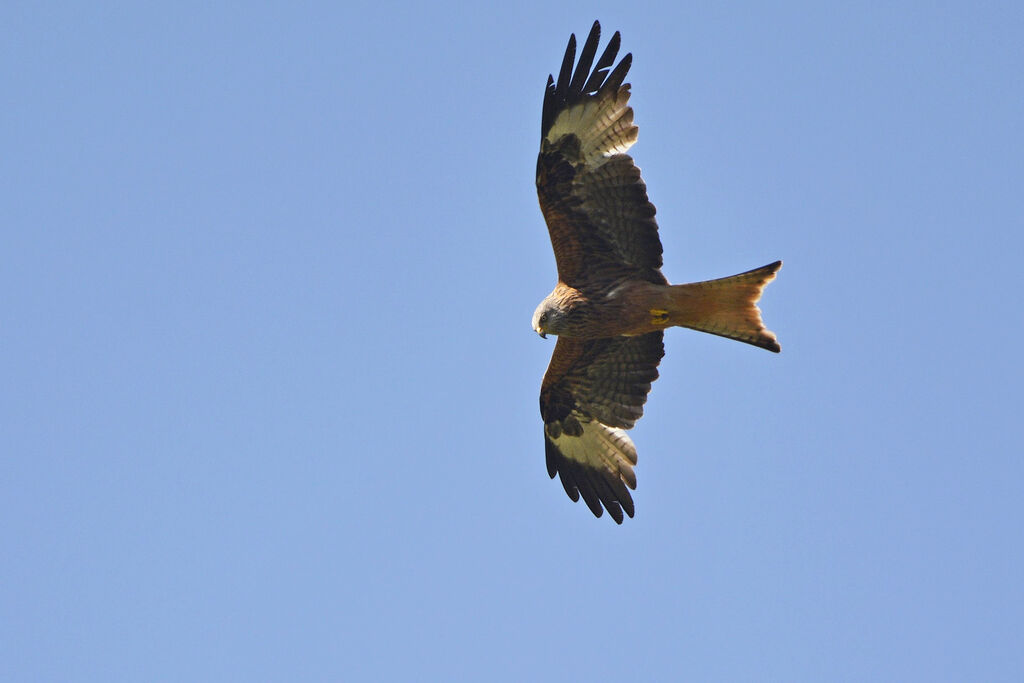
(269,405)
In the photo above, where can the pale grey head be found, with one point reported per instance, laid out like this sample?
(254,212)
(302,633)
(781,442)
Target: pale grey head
(550,318)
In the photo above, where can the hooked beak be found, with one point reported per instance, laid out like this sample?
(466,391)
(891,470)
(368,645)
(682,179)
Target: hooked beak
(540,332)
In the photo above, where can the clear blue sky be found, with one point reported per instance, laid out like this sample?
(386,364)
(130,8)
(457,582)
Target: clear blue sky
(269,405)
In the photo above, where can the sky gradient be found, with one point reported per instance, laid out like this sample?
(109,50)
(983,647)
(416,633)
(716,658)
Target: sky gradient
(270,387)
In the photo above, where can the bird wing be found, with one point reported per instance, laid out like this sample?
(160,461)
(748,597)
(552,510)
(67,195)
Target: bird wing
(593,199)
(593,391)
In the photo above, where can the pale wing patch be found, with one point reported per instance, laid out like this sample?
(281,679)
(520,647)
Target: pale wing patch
(606,449)
(603,125)
(611,443)
(596,465)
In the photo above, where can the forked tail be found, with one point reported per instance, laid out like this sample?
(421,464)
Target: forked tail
(726,307)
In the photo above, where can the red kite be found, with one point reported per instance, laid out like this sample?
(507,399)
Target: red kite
(611,304)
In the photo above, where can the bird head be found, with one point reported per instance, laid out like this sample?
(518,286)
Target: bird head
(548,318)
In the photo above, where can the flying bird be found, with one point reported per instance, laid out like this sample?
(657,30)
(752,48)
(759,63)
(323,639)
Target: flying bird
(611,304)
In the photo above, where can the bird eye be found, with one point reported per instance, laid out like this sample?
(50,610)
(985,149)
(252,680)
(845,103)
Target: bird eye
(543,317)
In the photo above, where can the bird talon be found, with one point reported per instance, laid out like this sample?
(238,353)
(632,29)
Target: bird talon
(659,316)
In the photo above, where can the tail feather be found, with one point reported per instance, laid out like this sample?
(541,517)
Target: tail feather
(726,306)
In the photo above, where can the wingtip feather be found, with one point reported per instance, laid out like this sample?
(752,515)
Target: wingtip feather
(567,61)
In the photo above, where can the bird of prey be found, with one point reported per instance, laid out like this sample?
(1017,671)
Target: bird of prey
(611,304)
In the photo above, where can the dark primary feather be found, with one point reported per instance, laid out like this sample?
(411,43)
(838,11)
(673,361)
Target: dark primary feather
(586,59)
(607,57)
(567,60)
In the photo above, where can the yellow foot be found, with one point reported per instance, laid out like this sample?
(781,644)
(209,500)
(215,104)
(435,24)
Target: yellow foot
(659,316)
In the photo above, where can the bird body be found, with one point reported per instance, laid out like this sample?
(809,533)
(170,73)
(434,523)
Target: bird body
(725,307)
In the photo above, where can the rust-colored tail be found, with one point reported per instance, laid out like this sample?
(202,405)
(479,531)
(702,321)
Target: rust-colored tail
(726,307)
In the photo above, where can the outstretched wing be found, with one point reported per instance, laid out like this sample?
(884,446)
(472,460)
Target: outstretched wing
(593,199)
(592,392)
